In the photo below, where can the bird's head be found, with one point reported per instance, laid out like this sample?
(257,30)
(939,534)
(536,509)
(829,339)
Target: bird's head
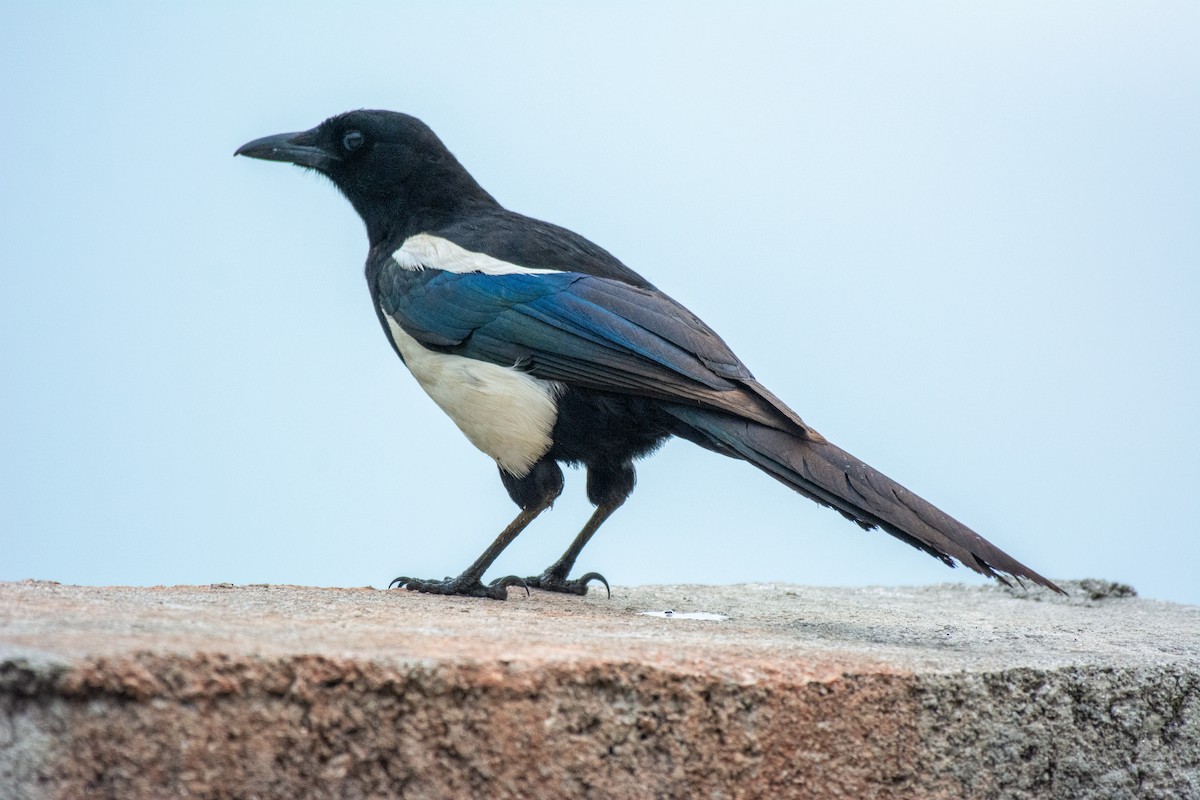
(391,167)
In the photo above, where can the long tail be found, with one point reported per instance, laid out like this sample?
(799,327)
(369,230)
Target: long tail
(834,478)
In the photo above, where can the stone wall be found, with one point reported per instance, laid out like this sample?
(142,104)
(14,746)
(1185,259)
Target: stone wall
(740,691)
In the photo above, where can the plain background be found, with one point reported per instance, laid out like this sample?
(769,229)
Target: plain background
(962,240)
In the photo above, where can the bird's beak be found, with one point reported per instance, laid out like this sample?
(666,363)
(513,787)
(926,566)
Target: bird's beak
(294,148)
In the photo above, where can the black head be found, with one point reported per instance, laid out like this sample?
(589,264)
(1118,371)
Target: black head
(392,167)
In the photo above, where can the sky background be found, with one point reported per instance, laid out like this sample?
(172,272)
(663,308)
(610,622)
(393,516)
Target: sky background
(961,239)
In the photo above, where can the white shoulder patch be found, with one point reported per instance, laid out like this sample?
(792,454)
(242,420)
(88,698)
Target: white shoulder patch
(424,251)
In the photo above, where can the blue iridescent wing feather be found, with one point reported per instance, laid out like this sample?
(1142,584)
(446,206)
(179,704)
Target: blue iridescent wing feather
(579,329)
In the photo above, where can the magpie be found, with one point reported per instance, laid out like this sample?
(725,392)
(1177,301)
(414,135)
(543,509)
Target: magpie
(544,349)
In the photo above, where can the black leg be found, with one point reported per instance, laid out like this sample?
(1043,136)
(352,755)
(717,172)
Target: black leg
(538,490)
(607,488)
(554,579)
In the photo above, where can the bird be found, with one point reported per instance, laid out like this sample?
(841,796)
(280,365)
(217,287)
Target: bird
(546,350)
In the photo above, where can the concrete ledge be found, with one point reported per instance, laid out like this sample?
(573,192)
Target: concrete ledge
(275,691)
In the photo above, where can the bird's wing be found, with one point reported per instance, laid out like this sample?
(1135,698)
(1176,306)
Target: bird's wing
(582,330)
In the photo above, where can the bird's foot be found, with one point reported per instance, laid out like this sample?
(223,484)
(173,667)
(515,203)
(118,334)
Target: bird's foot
(553,582)
(466,587)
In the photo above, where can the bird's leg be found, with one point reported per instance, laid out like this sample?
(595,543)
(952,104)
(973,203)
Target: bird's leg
(554,578)
(542,487)
(469,582)
(608,486)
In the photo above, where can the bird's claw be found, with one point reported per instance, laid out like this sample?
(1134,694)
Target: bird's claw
(502,584)
(496,590)
(556,583)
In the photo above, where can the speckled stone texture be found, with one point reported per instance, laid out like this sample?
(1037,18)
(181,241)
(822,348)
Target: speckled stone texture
(274,691)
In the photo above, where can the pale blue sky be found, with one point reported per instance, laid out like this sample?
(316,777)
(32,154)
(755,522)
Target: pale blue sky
(962,240)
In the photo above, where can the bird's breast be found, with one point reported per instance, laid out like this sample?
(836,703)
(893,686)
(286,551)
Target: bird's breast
(506,413)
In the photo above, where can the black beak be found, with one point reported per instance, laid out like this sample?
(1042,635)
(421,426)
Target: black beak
(294,148)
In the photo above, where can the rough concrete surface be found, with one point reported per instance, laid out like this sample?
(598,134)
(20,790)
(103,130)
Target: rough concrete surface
(284,691)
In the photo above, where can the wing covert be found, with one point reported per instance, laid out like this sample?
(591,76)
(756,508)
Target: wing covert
(578,329)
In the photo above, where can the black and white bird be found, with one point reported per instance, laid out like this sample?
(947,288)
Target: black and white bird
(545,350)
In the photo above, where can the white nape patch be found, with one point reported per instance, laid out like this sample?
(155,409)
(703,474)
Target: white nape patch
(424,251)
(504,412)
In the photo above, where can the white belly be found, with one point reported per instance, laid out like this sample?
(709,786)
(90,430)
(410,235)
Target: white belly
(506,413)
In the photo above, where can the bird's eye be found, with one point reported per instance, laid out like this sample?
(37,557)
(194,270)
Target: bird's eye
(352,140)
